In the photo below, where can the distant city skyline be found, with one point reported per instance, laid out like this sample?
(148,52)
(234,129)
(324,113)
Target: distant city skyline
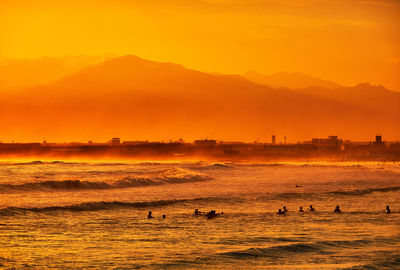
(274,140)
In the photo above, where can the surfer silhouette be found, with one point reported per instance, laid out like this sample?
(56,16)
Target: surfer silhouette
(280,212)
(212,214)
(301,209)
(149,215)
(337,209)
(387,209)
(284,209)
(311,208)
(197,212)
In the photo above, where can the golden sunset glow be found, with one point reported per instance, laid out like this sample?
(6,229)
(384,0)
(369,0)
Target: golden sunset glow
(199,134)
(348,42)
(70,69)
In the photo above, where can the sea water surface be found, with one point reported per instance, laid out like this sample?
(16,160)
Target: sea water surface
(93,215)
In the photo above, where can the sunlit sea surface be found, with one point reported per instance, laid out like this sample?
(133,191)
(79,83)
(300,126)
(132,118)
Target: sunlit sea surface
(93,215)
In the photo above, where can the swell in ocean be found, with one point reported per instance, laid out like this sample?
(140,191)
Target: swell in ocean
(115,205)
(312,195)
(170,176)
(106,205)
(281,251)
(358,192)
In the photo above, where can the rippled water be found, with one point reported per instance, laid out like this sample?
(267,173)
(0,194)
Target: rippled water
(94,215)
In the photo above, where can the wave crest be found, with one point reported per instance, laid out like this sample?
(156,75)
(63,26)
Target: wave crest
(170,176)
(101,205)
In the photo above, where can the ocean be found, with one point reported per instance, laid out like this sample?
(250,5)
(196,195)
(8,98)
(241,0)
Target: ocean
(93,215)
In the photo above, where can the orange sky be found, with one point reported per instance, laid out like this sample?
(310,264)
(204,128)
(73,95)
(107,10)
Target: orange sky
(347,41)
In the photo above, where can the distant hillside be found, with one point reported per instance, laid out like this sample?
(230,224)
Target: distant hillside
(134,98)
(28,72)
(364,95)
(292,80)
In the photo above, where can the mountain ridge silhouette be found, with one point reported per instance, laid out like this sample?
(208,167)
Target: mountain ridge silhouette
(135,98)
(292,80)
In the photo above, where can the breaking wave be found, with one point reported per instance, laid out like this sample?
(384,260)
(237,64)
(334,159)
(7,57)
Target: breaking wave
(39,162)
(102,205)
(220,165)
(215,166)
(170,176)
(261,164)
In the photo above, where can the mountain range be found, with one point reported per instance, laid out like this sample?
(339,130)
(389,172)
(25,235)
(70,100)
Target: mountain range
(292,80)
(133,98)
(15,73)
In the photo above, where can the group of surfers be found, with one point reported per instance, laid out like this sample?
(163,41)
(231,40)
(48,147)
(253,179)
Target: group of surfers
(212,214)
(282,212)
(312,209)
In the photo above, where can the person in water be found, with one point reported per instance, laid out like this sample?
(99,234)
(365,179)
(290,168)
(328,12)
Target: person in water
(163,216)
(280,212)
(337,209)
(387,209)
(149,215)
(301,209)
(212,214)
(311,208)
(284,209)
(197,212)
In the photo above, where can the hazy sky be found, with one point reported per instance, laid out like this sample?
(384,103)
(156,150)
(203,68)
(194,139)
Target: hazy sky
(348,41)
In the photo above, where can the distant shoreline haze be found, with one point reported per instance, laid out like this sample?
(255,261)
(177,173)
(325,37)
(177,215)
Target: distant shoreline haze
(318,149)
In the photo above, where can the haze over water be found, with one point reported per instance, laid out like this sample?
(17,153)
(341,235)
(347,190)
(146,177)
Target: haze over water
(94,215)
